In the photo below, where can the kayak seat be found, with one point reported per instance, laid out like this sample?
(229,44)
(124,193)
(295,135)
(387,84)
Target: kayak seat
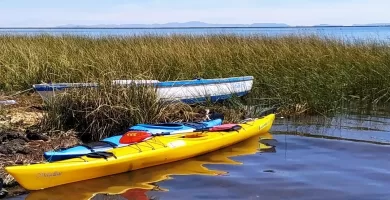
(93,145)
(101,154)
(100,144)
(195,125)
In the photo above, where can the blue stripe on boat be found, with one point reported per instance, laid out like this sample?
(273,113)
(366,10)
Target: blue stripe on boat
(203,81)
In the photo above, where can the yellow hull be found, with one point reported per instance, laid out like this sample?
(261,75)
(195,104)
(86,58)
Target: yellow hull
(156,151)
(140,180)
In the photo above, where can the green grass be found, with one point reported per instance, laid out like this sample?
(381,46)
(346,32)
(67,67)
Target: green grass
(298,73)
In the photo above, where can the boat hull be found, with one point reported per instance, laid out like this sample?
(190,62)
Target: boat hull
(187,91)
(158,150)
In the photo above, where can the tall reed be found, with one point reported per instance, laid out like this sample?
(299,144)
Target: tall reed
(300,73)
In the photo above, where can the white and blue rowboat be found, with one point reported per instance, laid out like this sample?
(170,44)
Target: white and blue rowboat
(187,91)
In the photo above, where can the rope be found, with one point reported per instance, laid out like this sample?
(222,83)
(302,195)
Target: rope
(20,92)
(156,141)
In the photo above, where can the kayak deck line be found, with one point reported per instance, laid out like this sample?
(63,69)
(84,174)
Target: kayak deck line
(154,140)
(133,134)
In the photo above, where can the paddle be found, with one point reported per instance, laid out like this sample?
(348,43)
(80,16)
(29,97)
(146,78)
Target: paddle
(131,137)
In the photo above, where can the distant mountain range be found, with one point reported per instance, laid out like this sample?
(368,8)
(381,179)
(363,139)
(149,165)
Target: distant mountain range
(175,25)
(198,24)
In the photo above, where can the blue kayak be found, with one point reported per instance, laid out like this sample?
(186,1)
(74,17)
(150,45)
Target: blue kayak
(113,142)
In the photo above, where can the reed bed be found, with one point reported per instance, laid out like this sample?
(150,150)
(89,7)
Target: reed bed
(96,113)
(299,73)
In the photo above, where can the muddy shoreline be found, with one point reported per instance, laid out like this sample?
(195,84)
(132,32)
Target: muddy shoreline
(20,140)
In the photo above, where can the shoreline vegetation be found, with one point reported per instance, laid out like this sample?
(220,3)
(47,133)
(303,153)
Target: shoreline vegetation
(299,75)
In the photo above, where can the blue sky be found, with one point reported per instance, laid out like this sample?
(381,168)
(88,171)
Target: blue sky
(19,13)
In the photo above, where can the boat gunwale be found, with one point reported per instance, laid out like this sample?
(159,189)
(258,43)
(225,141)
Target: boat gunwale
(165,84)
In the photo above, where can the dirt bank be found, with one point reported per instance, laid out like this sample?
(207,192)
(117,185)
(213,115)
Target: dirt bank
(20,142)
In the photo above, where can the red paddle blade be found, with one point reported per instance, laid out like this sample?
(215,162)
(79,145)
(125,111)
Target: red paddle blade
(137,194)
(134,137)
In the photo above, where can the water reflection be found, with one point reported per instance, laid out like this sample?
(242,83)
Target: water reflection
(302,168)
(353,127)
(135,184)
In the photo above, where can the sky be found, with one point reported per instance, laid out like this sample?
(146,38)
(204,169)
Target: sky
(49,13)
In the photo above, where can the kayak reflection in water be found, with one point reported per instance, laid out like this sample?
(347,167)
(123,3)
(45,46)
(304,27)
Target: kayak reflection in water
(131,194)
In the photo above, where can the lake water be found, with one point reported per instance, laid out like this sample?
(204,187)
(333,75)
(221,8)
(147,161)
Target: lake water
(345,33)
(292,167)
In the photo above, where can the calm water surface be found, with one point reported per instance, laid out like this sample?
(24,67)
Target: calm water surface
(344,33)
(288,167)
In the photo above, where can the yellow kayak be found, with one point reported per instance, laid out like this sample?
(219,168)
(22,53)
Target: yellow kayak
(155,151)
(144,179)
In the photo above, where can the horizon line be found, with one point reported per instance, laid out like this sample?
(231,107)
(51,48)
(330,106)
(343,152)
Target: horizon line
(185,27)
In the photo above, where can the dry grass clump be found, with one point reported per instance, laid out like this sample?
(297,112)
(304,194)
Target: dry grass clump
(97,112)
(107,110)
